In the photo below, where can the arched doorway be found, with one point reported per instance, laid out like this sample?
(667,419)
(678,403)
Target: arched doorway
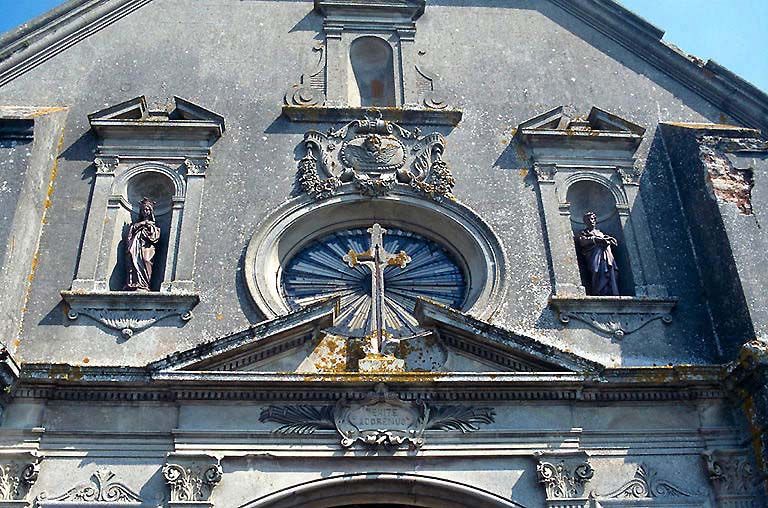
(382,490)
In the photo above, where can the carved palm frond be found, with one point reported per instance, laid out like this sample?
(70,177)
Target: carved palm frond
(299,419)
(461,418)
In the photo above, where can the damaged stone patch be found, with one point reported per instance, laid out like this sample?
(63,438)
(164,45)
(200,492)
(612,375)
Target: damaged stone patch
(726,182)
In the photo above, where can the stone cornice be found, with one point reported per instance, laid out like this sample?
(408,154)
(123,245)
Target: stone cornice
(451,322)
(48,35)
(724,89)
(118,384)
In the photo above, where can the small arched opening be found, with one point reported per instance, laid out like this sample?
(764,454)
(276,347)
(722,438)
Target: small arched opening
(158,187)
(372,63)
(587,195)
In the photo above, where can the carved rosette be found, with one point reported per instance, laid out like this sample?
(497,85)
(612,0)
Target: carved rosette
(731,474)
(566,478)
(374,156)
(17,477)
(103,488)
(192,478)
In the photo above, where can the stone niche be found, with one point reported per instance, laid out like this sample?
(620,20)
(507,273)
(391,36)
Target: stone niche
(163,156)
(368,59)
(587,163)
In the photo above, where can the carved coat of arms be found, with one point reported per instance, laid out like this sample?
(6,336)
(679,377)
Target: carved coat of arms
(374,155)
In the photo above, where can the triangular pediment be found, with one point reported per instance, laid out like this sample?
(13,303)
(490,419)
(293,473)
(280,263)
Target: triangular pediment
(597,121)
(355,10)
(298,343)
(136,110)
(133,109)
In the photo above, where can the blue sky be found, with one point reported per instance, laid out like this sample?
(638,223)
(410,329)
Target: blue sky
(734,33)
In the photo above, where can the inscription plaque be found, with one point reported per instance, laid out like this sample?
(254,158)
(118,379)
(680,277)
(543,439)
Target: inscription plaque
(381,421)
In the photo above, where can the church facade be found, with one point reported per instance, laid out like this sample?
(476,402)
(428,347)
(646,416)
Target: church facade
(392,253)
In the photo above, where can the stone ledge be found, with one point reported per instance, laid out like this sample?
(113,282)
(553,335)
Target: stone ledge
(613,315)
(129,311)
(406,115)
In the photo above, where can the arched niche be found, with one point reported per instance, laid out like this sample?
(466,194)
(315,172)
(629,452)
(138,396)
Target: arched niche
(372,76)
(599,197)
(374,489)
(164,187)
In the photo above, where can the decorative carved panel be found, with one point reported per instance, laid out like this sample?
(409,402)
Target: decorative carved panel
(380,420)
(374,155)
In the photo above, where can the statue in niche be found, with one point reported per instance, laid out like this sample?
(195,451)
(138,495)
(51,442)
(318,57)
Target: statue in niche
(140,248)
(596,248)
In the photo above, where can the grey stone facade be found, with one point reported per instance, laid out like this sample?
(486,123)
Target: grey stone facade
(483,130)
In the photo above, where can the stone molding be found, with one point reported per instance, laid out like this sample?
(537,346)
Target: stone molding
(18,473)
(138,384)
(103,488)
(564,476)
(191,479)
(406,115)
(129,312)
(737,97)
(616,316)
(45,37)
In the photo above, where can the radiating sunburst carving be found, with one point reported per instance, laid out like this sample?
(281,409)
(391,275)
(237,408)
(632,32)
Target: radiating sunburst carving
(318,271)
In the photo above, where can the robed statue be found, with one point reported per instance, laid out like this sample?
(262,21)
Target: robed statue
(596,248)
(140,248)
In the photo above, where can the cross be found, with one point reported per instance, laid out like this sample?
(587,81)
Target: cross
(377,259)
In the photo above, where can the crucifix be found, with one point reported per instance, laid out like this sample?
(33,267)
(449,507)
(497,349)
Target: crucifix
(377,259)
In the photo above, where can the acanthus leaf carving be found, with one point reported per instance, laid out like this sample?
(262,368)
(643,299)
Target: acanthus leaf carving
(197,166)
(192,479)
(106,165)
(103,488)
(646,485)
(564,479)
(378,420)
(730,472)
(17,477)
